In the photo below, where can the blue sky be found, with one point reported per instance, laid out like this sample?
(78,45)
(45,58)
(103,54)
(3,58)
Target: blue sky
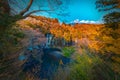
(78,11)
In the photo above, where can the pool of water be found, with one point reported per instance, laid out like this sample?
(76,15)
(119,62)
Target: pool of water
(22,57)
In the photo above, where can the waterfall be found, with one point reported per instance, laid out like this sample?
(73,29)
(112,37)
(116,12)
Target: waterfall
(49,39)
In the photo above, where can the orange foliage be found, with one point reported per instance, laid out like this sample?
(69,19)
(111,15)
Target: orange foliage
(97,35)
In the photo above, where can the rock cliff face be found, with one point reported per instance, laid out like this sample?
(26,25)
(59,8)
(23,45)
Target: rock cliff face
(39,60)
(51,60)
(46,64)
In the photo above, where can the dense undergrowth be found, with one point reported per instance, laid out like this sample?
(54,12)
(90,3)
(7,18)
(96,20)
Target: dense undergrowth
(10,38)
(87,66)
(68,51)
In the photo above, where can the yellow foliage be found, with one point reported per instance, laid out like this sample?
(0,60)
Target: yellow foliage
(115,58)
(100,38)
(115,67)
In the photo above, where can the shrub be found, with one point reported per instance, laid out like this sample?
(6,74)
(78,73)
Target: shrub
(67,51)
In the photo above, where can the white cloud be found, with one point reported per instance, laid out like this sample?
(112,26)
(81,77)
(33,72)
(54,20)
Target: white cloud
(76,21)
(87,21)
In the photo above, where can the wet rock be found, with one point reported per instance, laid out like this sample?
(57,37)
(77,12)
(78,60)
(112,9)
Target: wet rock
(32,66)
(51,61)
(22,57)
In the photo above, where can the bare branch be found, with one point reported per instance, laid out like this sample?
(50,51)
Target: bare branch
(27,8)
(35,11)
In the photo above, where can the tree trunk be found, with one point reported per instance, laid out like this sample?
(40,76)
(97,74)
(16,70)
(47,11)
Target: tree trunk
(4,7)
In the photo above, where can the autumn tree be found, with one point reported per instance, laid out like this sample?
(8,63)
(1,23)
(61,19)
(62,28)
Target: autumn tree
(112,21)
(110,35)
(112,7)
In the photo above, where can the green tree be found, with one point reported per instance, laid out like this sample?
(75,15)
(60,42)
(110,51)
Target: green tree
(110,35)
(112,7)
